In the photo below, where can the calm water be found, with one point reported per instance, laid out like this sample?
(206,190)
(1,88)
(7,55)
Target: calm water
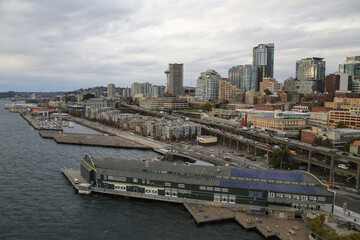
(37,202)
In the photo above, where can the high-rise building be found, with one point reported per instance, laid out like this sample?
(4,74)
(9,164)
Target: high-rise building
(243,77)
(175,79)
(234,75)
(351,67)
(157,90)
(249,78)
(227,89)
(263,60)
(208,85)
(111,90)
(143,88)
(126,92)
(310,69)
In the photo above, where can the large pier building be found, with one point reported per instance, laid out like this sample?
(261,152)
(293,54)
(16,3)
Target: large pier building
(212,185)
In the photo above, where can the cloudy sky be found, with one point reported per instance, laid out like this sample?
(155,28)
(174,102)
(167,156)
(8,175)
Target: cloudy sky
(70,44)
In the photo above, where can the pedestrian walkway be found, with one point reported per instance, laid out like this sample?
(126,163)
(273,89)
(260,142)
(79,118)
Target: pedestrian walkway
(339,212)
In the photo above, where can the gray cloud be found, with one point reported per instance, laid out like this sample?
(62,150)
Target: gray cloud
(63,45)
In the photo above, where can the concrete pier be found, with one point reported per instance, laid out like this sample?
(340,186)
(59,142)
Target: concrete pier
(91,140)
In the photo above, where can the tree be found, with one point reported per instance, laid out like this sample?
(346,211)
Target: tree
(340,125)
(349,142)
(318,140)
(170,111)
(279,159)
(267,91)
(206,107)
(327,143)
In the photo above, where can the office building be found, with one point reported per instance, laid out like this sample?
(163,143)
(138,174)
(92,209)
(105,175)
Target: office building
(111,90)
(351,67)
(263,61)
(249,78)
(234,75)
(208,85)
(310,69)
(175,79)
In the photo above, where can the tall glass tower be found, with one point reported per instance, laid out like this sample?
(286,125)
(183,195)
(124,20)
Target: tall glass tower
(263,60)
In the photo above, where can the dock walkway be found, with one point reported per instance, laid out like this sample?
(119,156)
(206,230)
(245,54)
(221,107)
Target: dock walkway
(91,140)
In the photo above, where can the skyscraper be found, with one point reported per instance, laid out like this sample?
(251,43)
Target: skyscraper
(351,67)
(263,60)
(310,69)
(249,78)
(310,73)
(175,79)
(208,85)
(111,90)
(234,75)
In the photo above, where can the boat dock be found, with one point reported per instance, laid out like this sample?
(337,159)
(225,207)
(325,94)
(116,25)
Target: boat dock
(91,140)
(284,229)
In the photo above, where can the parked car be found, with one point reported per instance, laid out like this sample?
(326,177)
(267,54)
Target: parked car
(343,166)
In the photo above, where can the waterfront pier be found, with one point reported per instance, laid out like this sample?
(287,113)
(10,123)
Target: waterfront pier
(91,140)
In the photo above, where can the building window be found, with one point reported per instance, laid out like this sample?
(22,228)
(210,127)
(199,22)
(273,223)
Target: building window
(232,199)
(202,187)
(216,197)
(217,189)
(167,184)
(168,192)
(147,191)
(135,180)
(209,188)
(180,185)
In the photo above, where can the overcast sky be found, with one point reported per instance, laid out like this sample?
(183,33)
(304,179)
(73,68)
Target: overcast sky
(50,45)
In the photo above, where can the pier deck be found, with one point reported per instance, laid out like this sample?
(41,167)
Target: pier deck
(91,140)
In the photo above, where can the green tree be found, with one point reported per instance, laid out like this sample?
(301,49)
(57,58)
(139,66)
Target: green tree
(318,141)
(206,107)
(267,91)
(341,125)
(327,143)
(349,142)
(279,159)
(170,111)
(332,235)
(172,138)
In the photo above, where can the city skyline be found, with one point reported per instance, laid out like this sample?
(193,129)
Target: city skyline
(59,46)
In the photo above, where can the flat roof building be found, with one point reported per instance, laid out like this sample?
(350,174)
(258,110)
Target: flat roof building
(221,185)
